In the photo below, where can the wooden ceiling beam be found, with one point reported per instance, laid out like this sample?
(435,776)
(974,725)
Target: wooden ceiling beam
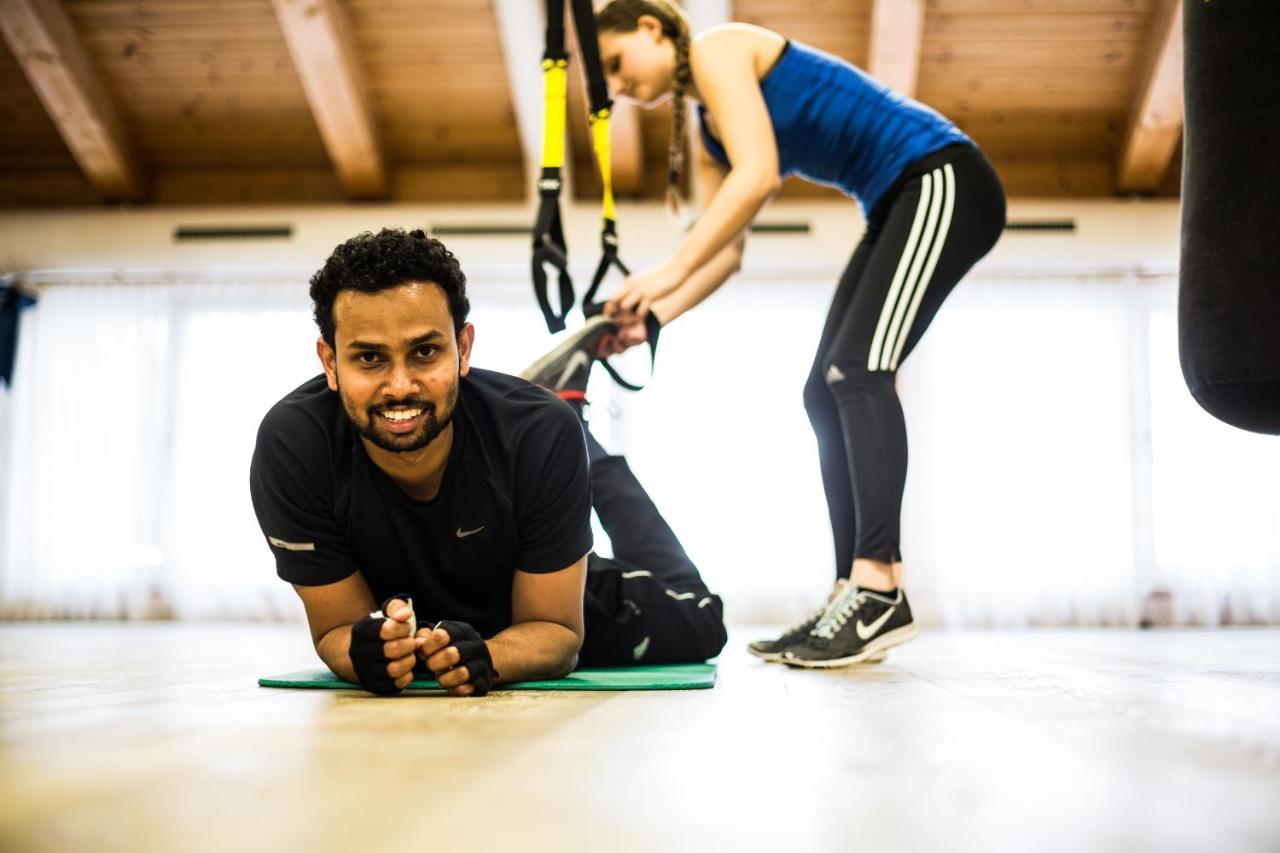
(1155,124)
(324,54)
(47,47)
(893,52)
(522,56)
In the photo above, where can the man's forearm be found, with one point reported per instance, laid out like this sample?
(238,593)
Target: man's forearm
(334,649)
(534,650)
(528,650)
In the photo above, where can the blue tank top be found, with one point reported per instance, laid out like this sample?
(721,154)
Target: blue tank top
(838,126)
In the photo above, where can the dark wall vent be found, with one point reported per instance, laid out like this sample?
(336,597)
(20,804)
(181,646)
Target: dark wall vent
(1065,226)
(525,231)
(780,228)
(480,231)
(185,233)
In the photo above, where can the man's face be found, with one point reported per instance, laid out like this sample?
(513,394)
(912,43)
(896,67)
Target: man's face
(396,362)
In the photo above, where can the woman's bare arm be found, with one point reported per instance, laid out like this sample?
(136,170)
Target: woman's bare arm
(724,69)
(708,278)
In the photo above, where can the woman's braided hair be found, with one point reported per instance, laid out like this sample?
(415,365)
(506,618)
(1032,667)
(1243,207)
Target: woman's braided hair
(623,16)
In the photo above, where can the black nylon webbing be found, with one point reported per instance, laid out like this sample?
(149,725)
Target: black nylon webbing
(584,20)
(548,238)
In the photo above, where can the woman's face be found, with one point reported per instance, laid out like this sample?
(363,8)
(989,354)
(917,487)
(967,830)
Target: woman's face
(639,65)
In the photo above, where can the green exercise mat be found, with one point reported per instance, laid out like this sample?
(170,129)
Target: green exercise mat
(680,676)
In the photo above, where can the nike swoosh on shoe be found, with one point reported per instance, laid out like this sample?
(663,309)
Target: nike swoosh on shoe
(865,632)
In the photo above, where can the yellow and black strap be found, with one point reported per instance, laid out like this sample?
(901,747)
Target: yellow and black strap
(548,233)
(548,236)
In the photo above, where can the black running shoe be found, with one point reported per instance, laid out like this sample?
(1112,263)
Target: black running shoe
(772,650)
(857,625)
(566,368)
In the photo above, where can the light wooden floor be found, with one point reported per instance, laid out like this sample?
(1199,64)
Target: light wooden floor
(155,737)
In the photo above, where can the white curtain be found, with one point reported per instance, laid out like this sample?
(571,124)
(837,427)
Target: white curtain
(129,432)
(1059,471)
(1059,474)
(89,424)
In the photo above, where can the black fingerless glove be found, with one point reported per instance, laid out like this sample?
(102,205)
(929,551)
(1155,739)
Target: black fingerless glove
(473,653)
(367,656)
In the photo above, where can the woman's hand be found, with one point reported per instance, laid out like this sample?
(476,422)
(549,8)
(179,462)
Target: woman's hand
(631,331)
(639,292)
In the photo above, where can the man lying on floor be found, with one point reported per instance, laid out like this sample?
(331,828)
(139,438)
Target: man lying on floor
(402,474)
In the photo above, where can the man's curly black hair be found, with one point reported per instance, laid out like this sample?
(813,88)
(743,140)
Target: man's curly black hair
(392,257)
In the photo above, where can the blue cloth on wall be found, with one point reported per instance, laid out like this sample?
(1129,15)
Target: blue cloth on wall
(12,301)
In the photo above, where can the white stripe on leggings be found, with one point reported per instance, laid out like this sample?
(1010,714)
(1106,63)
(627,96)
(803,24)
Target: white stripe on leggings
(948,205)
(913,275)
(873,360)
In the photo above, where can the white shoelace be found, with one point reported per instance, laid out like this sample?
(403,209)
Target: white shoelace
(838,612)
(818,612)
(805,621)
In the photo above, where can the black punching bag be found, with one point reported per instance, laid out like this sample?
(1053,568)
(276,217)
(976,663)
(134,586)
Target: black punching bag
(1229,291)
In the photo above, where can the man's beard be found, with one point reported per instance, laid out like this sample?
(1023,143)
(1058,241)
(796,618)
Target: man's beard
(427,431)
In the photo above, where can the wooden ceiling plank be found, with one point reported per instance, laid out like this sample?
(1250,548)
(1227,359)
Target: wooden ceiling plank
(320,40)
(208,91)
(37,188)
(893,54)
(1040,7)
(1155,124)
(47,47)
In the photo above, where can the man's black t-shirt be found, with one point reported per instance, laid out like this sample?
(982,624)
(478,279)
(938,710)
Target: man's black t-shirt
(516,495)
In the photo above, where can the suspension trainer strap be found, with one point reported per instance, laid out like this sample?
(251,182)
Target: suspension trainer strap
(584,20)
(600,113)
(548,232)
(652,329)
(609,231)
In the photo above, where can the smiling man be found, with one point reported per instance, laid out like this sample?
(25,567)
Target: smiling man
(458,497)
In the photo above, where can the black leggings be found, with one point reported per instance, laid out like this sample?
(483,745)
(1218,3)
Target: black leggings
(937,221)
(647,604)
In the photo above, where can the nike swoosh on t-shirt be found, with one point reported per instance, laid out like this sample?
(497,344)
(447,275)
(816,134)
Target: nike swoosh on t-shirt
(463,534)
